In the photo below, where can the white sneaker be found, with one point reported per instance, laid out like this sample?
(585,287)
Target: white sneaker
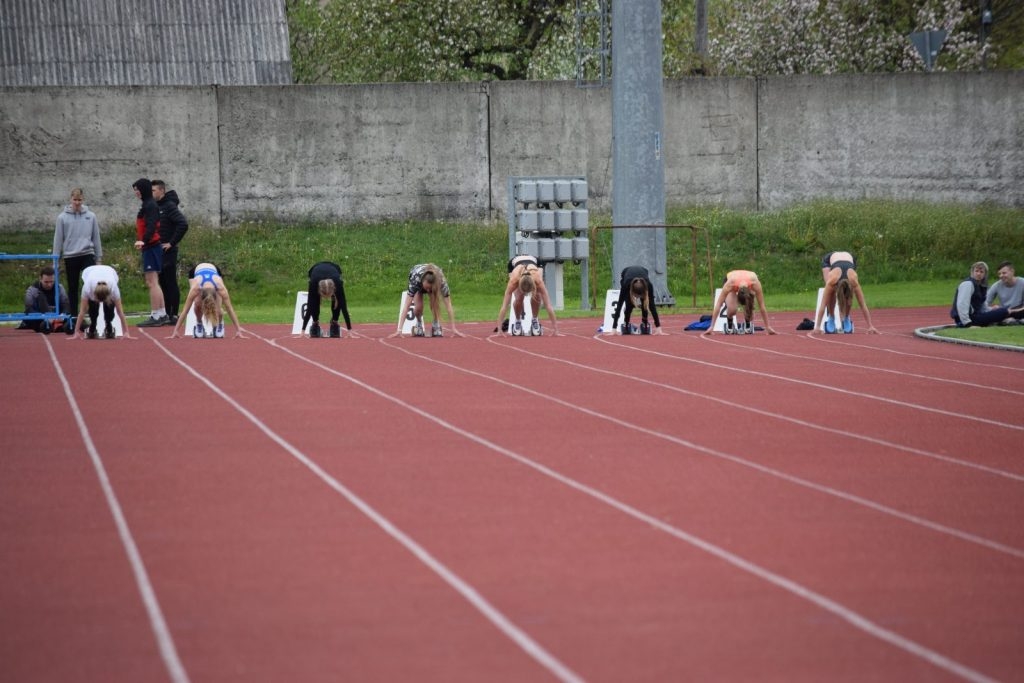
(517,329)
(218,332)
(535,328)
(198,331)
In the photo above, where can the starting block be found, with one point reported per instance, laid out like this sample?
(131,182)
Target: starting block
(190,323)
(611,301)
(408,316)
(116,323)
(835,312)
(300,311)
(721,319)
(528,314)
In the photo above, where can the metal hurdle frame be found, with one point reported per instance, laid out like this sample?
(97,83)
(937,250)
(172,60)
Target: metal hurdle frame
(57,314)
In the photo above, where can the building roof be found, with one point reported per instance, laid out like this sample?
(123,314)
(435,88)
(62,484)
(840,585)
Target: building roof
(144,42)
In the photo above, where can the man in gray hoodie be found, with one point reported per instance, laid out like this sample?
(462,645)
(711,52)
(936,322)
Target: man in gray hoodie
(77,239)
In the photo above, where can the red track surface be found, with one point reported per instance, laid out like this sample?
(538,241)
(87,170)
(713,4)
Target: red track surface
(512,509)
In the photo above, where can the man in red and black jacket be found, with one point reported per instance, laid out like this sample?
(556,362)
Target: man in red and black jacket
(147,231)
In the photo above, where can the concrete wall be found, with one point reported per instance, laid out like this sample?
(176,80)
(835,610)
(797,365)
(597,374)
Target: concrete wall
(366,152)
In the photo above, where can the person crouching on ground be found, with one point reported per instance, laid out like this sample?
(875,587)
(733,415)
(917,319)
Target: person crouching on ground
(839,270)
(42,296)
(635,291)
(426,278)
(208,296)
(99,289)
(525,281)
(325,283)
(741,288)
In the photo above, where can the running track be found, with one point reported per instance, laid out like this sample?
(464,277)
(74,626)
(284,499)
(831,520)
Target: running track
(671,508)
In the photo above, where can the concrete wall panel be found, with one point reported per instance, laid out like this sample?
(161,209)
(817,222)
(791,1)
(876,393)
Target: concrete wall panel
(930,137)
(102,140)
(354,152)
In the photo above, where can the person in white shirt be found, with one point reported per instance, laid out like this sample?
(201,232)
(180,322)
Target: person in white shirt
(99,288)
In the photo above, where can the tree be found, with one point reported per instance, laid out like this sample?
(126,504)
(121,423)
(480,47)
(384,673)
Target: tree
(340,41)
(439,40)
(840,36)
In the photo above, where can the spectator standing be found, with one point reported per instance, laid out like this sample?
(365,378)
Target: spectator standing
(173,226)
(147,231)
(41,297)
(77,239)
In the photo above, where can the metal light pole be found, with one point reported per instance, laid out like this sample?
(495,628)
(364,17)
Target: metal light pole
(638,169)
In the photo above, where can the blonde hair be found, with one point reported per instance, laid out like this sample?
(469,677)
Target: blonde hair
(101,292)
(209,305)
(327,290)
(526,284)
(77,193)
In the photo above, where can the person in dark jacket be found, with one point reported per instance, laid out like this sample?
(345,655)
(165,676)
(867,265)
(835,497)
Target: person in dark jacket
(147,231)
(173,226)
(969,301)
(325,283)
(77,238)
(635,291)
(42,296)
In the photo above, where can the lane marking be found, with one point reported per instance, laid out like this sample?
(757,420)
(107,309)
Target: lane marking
(463,588)
(846,614)
(164,641)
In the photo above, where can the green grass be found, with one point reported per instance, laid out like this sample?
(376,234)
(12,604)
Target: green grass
(909,254)
(1009,335)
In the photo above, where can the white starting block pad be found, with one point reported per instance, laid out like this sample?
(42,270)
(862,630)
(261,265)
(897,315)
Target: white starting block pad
(718,324)
(300,308)
(611,299)
(408,317)
(835,312)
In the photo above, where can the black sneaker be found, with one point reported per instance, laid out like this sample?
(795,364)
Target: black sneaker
(645,328)
(170,320)
(108,332)
(335,330)
(153,322)
(90,333)
(314,331)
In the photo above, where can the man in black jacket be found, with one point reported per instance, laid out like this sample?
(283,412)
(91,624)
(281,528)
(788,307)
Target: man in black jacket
(173,226)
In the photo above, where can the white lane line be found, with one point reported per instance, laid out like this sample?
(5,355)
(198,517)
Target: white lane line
(778,416)
(825,387)
(848,615)
(491,613)
(164,641)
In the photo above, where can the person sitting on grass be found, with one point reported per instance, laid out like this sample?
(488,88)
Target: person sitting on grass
(969,307)
(839,270)
(426,278)
(99,289)
(525,281)
(1008,289)
(635,291)
(208,296)
(741,288)
(325,283)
